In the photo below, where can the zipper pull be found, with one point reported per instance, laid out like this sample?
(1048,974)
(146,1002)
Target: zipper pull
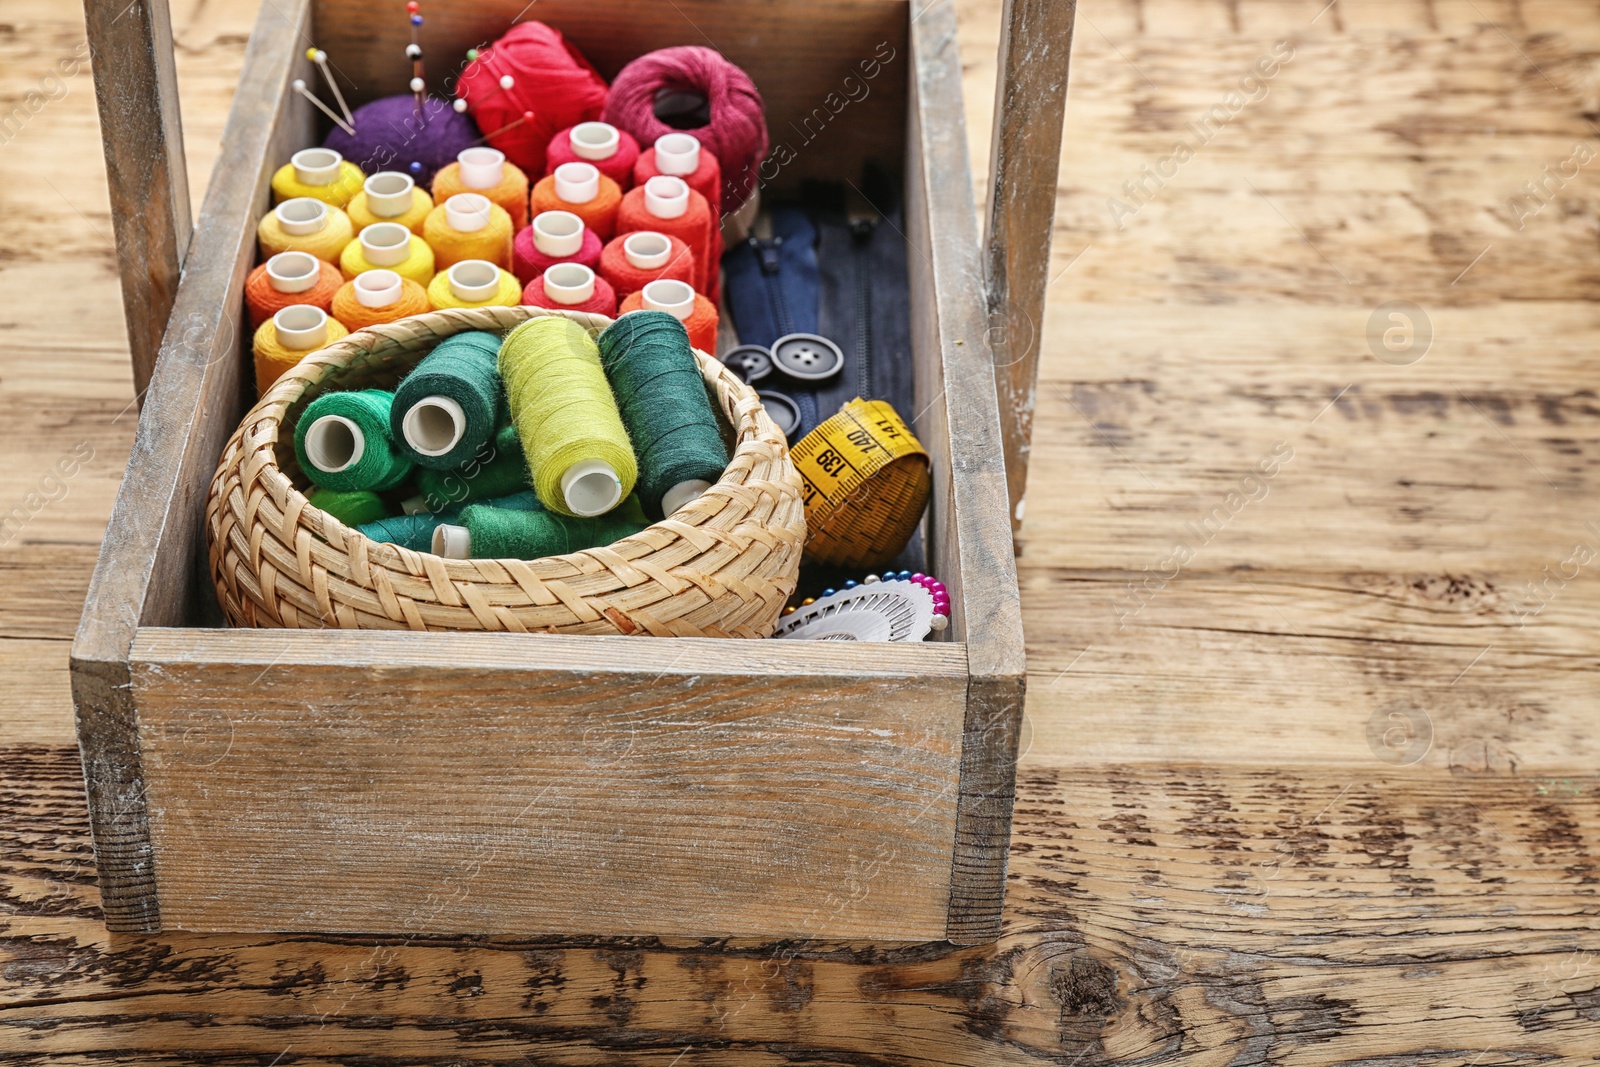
(862,229)
(767,253)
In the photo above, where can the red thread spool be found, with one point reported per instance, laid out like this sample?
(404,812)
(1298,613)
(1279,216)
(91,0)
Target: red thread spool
(549,77)
(654,255)
(571,287)
(264,299)
(673,297)
(581,189)
(612,151)
(681,156)
(667,205)
(565,239)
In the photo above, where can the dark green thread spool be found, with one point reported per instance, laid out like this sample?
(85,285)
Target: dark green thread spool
(445,411)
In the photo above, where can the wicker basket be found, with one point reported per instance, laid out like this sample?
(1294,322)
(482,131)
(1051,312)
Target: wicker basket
(722,566)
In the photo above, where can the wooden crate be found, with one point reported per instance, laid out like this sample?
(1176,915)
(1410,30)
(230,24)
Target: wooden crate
(260,780)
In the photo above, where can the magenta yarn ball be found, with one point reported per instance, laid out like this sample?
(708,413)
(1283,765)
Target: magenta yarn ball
(392,135)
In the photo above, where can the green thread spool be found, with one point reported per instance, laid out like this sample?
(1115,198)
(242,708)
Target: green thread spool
(352,509)
(445,410)
(664,405)
(494,471)
(342,442)
(489,532)
(416,531)
(562,407)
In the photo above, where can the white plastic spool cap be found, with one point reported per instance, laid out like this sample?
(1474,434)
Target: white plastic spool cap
(389,193)
(468,212)
(474,280)
(674,297)
(377,288)
(557,233)
(334,444)
(301,215)
(386,244)
(577,183)
(666,197)
(452,542)
(301,327)
(646,249)
(482,168)
(293,272)
(594,140)
(434,425)
(591,487)
(677,153)
(316,166)
(568,283)
(683,493)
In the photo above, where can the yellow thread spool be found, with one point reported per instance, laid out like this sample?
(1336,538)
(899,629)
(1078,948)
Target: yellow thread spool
(866,482)
(474,283)
(469,226)
(390,246)
(288,337)
(305,225)
(320,173)
(390,196)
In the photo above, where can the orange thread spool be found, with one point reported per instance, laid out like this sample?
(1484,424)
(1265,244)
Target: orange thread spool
(485,171)
(630,261)
(581,189)
(292,334)
(355,304)
(469,226)
(699,318)
(264,299)
(667,205)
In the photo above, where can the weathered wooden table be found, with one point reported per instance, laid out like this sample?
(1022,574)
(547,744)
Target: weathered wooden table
(1320,789)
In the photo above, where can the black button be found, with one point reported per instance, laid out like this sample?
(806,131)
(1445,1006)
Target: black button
(750,362)
(783,411)
(807,357)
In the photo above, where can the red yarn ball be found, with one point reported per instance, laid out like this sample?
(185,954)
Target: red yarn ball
(737,131)
(551,78)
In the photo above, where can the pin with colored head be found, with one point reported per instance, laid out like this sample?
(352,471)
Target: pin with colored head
(299,86)
(320,58)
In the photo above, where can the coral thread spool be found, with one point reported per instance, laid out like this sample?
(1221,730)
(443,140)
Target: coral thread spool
(388,245)
(678,299)
(554,237)
(633,260)
(305,225)
(469,226)
(667,205)
(581,189)
(571,287)
(390,196)
(289,278)
(681,156)
(612,151)
(485,170)
(318,173)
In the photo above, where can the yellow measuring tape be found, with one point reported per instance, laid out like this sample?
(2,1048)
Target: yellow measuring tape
(866,483)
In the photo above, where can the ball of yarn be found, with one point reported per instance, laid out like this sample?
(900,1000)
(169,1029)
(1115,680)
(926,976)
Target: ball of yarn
(602,302)
(441,296)
(361,215)
(627,279)
(359,433)
(733,129)
(550,78)
(273,360)
(511,194)
(391,134)
(263,301)
(352,508)
(492,472)
(618,166)
(502,533)
(562,407)
(451,246)
(357,316)
(599,214)
(527,262)
(286,185)
(701,324)
(418,266)
(662,396)
(325,243)
(695,228)
(463,368)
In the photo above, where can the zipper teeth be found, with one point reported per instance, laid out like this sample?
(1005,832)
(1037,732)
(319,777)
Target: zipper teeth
(863,318)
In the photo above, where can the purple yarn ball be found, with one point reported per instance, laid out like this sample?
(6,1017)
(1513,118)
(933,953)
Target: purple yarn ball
(390,135)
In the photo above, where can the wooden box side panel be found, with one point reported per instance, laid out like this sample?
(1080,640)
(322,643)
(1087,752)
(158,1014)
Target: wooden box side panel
(525,784)
(803,55)
(151,563)
(969,526)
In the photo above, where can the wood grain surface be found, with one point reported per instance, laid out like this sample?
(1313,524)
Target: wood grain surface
(1325,796)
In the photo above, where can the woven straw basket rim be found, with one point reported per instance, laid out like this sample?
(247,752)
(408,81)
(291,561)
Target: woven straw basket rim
(722,566)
